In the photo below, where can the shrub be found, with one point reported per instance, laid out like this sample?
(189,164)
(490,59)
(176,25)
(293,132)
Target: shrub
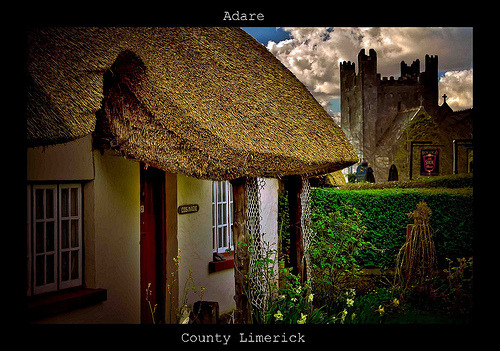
(464,180)
(384,215)
(338,238)
(294,303)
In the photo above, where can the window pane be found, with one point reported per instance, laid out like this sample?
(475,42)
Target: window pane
(40,270)
(65,234)
(65,266)
(224,213)
(213,216)
(74,201)
(39,203)
(219,191)
(220,237)
(64,202)
(49,237)
(224,236)
(74,264)
(223,186)
(219,214)
(230,237)
(39,237)
(231,209)
(74,233)
(49,203)
(213,239)
(50,268)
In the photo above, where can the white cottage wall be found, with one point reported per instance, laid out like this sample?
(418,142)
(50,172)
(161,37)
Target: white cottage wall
(111,229)
(111,225)
(269,215)
(195,242)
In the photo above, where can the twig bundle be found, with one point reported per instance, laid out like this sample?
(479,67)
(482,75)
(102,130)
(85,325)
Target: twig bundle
(416,259)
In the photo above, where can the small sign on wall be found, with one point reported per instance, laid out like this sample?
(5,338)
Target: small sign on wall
(429,162)
(188,209)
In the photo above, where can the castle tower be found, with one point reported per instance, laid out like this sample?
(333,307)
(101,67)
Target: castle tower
(369,104)
(369,87)
(429,81)
(347,85)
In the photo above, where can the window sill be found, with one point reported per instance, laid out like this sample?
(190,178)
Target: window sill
(50,304)
(217,266)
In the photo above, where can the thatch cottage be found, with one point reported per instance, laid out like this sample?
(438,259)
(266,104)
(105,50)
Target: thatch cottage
(145,141)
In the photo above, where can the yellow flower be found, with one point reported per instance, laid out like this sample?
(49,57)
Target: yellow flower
(350,302)
(302,319)
(395,302)
(342,317)
(278,316)
(381,310)
(310,297)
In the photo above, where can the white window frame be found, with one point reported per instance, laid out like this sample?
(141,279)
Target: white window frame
(222,216)
(71,282)
(39,289)
(57,220)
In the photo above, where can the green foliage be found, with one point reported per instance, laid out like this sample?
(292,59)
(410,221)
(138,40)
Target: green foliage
(453,290)
(464,180)
(351,178)
(338,240)
(384,215)
(377,307)
(294,303)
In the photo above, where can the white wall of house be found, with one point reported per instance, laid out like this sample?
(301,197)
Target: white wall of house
(117,234)
(111,230)
(111,225)
(195,242)
(269,215)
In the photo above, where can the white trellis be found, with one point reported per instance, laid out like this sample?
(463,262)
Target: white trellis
(259,274)
(258,284)
(305,221)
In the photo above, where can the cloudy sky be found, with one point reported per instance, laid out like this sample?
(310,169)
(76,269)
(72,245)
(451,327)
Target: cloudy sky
(313,54)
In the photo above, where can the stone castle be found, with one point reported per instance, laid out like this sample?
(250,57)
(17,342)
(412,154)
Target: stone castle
(371,105)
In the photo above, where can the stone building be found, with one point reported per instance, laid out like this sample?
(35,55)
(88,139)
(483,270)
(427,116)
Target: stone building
(376,111)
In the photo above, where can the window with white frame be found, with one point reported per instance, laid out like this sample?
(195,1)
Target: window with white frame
(54,237)
(222,216)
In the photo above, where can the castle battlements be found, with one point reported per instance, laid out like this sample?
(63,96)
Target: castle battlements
(410,74)
(369,102)
(347,65)
(402,80)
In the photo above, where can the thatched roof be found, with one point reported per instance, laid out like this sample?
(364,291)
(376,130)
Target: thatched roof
(206,102)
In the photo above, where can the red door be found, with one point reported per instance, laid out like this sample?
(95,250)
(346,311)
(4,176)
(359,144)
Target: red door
(153,244)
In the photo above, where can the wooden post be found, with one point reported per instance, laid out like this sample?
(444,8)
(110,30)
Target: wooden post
(241,255)
(297,261)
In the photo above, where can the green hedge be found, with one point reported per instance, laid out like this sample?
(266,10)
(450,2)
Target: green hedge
(463,180)
(384,213)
